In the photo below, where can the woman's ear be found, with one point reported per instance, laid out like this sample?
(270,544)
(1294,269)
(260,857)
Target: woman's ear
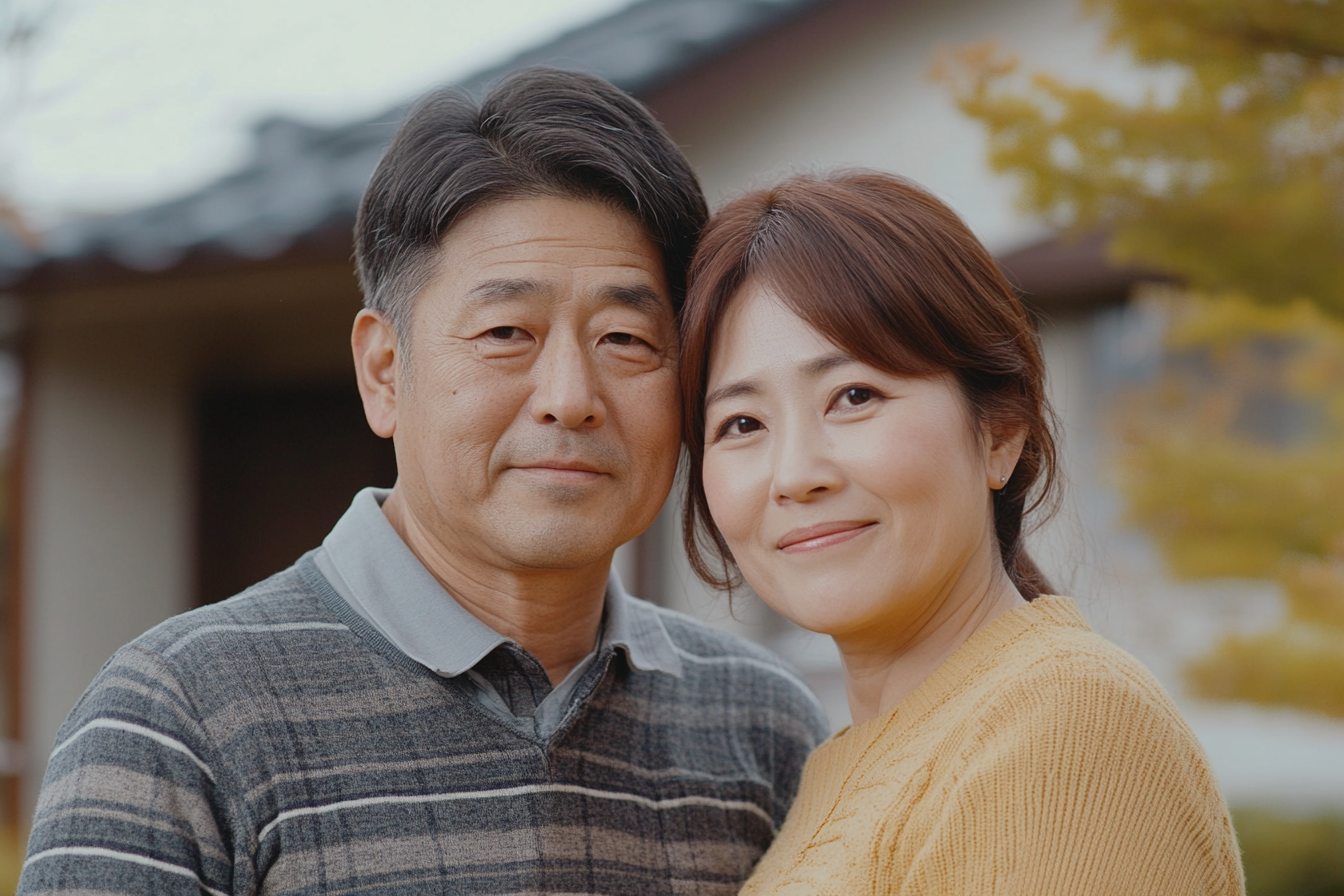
(374,344)
(1003,446)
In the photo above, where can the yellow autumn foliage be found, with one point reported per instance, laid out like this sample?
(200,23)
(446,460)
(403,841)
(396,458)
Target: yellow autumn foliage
(1222,499)
(1233,182)
(1230,183)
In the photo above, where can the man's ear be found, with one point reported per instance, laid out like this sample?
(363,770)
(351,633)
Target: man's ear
(374,343)
(1004,443)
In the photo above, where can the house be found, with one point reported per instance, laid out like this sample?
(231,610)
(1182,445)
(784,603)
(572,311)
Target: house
(189,421)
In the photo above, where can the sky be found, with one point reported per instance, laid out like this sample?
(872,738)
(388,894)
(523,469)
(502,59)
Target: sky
(124,102)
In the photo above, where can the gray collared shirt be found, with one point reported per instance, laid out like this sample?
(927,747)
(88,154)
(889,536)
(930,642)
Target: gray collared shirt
(367,564)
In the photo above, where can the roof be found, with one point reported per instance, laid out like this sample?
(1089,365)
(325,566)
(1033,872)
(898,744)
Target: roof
(1072,272)
(304,182)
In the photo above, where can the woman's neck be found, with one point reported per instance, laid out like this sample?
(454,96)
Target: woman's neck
(879,677)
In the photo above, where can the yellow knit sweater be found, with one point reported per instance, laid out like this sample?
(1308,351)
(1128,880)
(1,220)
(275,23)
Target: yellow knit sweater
(1037,759)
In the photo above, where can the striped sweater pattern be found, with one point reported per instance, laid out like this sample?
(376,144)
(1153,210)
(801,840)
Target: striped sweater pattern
(276,744)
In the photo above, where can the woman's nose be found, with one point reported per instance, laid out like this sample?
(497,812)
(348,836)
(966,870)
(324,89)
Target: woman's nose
(804,464)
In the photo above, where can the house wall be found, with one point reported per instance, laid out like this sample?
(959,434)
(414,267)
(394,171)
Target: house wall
(108,531)
(849,85)
(109,506)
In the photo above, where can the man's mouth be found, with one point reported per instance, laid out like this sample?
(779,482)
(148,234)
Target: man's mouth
(562,470)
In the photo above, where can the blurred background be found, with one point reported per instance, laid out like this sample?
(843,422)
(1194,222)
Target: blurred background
(1163,180)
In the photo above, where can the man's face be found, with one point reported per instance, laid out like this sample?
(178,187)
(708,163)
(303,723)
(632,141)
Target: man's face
(537,410)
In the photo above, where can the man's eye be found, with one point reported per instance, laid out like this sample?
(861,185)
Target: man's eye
(622,339)
(504,333)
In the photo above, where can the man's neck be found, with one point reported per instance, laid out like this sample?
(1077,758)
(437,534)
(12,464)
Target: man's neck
(553,614)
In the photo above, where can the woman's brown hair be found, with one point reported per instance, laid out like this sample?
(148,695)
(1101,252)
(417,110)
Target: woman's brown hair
(893,277)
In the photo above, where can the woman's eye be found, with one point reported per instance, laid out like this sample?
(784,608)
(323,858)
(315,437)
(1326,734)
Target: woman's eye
(856,396)
(739,426)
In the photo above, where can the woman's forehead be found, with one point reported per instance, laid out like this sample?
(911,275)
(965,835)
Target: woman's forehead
(759,329)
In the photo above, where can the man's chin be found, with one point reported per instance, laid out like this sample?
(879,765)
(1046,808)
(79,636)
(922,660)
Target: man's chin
(549,539)
(554,554)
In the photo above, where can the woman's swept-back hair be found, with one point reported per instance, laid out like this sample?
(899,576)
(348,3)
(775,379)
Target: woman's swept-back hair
(538,132)
(894,278)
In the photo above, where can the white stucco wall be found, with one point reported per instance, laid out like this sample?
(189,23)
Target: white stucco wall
(108,502)
(865,98)
(108,530)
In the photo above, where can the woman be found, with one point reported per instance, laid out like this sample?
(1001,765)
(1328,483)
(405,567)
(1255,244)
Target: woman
(867,420)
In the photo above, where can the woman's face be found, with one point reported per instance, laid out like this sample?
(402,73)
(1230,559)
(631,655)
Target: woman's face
(856,502)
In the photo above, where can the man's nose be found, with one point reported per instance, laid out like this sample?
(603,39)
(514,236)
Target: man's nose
(804,467)
(566,390)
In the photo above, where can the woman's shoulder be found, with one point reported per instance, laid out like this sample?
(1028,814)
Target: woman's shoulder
(1061,682)
(1077,743)
(1055,650)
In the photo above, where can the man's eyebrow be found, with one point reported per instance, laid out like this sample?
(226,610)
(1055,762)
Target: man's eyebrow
(644,298)
(733,390)
(506,288)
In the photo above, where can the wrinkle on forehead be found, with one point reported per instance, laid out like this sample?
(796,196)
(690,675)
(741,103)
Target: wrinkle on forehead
(635,295)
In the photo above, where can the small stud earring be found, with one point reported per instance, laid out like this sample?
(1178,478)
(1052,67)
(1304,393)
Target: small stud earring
(1002,480)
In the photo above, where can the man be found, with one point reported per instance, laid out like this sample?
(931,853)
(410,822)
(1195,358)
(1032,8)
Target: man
(453,694)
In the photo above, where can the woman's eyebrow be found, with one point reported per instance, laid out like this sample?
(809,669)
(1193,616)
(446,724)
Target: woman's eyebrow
(733,390)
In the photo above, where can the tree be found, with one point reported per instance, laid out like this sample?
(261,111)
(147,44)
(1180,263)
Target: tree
(1233,185)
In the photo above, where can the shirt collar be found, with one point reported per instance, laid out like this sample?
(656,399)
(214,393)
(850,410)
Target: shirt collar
(637,626)
(382,580)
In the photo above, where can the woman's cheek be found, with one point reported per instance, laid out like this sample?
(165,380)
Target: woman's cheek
(728,489)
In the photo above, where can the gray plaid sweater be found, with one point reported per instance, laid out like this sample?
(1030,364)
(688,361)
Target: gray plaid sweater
(275,743)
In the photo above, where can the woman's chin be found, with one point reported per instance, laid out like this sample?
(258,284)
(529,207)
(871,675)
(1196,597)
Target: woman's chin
(817,596)
(822,617)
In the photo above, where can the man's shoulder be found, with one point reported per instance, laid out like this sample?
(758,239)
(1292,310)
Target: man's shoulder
(284,606)
(718,661)
(205,676)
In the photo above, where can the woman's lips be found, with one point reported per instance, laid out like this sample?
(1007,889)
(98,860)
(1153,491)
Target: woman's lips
(824,535)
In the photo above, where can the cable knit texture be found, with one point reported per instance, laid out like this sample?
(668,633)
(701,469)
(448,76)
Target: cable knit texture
(1038,759)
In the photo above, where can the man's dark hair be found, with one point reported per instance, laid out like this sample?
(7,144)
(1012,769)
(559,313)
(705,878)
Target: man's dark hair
(537,132)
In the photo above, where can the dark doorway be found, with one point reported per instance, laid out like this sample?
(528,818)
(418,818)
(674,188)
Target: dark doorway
(278,467)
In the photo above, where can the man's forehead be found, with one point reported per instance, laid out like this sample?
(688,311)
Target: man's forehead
(548,248)
(503,289)
(558,222)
